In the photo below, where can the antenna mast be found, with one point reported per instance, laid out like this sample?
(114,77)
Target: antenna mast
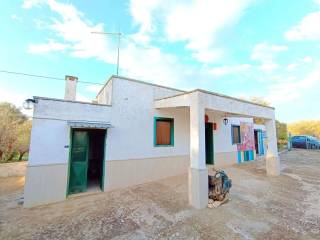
(119,36)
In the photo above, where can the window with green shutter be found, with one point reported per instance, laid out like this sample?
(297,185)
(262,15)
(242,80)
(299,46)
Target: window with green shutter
(163,131)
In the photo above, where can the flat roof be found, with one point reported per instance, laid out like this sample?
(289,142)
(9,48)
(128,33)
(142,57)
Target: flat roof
(73,101)
(138,81)
(218,95)
(157,85)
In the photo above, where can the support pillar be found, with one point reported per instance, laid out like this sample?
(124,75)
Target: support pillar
(272,157)
(198,172)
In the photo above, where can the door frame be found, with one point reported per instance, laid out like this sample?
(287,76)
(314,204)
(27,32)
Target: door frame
(69,158)
(259,142)
(104,160)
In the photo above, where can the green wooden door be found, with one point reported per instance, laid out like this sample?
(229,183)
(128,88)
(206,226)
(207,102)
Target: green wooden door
(79,162)
(209,143)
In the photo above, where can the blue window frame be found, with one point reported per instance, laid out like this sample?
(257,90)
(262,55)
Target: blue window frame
(235,134)
(170,134)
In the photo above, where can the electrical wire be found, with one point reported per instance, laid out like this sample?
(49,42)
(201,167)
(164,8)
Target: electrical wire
(46,77)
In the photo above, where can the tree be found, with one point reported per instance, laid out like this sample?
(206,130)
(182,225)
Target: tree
(23,138)
(260,101)
(305,127)
(282,133)
(10,120)
(280,127)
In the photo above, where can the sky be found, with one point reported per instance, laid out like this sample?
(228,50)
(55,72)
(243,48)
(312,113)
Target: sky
(246,48)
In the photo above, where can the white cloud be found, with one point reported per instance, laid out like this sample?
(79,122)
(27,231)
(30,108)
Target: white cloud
(199,22)
(15,17)
(146,15)
(16,98)
(27,4)
(50,46)
(77,30)
(74,37)
(288,90)
(82,98)
(151,64)
(268,66)
(76,34)
(265,54)
(208,55)
(300,62)
(292,66)
(224,70)
(12,97)
(40,24)
(142,13)
(307,29)
(195,23)
(307,59)
(93,88)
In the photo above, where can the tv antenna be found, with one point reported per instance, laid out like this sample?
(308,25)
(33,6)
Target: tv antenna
(118,34)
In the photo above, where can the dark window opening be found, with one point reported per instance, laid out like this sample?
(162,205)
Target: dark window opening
(235,133)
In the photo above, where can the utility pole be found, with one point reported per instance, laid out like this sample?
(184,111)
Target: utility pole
(119,36)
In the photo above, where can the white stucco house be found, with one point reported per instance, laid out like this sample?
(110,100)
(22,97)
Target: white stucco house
(137,132)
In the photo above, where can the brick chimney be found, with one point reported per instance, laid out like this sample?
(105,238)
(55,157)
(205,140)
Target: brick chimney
(71,88)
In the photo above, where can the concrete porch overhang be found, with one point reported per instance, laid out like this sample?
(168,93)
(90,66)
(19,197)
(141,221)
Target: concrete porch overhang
(199,101)
(217,102)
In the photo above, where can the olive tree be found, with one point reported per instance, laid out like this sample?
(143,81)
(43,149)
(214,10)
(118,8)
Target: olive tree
(23,139)
(13,129)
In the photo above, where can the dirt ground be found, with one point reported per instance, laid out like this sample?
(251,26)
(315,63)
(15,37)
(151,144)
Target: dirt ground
(14,169)
(261,207)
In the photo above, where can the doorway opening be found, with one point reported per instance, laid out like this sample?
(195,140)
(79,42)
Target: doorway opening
(86,169)
(256,141)
(96,156)
(209,143)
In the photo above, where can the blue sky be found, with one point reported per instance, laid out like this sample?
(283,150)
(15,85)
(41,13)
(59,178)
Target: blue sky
(245,48)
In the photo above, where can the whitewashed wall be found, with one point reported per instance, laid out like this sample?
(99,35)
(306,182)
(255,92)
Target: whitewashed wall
(105,94)
(133,120)
(129,107)
(50,132)
(260,127)
(222,136)
(132,117)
